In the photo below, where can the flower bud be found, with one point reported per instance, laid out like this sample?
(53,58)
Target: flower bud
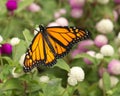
(6,48)
(11,5)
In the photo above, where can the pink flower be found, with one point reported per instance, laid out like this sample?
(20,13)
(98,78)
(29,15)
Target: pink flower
(117,1)
(53,24)
(76,12)
(100,40)
(115,14)
(101,71)
(57,14)
(75,52)
(62,21)
(84,45)
(77,3)
(34,7)
(62,11)
(114,67)
(6,48)
(92,54)
(11,5)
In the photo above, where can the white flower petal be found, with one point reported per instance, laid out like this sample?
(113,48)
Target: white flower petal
(103,1)
(44,79)
(16,75)
(99,56)
(105,26)
(1,38)
(114,80)
(77,73)
(107,50)
(36,31)
(21,61)
(14,41)
(72,81)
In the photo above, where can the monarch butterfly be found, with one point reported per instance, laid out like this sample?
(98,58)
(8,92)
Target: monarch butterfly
(52,43)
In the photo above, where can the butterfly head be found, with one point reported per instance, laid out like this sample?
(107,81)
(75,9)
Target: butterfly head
(41,28)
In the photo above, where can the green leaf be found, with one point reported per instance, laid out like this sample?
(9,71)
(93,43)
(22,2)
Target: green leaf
(63,65)
(22,5)
(33,86)
(12,84)
(18,50)
(28,36)
(106,81)
(53,88)
(8,59)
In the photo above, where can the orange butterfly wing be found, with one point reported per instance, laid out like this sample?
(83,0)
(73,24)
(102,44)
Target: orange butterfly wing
(58,42)
(63,38)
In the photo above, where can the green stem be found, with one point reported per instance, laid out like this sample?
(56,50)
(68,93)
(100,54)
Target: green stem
(1,61)
(64,91)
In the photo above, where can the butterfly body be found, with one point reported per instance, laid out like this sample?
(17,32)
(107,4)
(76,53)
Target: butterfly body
(52,43)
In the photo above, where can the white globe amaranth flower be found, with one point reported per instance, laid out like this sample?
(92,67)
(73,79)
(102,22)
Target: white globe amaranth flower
(14,41)
(107,50)
(72,81)
(117,41)
(103,1)
(99,56)
(44,79)
(77,73)
(21,61)
(113,80)
(36,30)
(1,38)
(16,75)
(105,26)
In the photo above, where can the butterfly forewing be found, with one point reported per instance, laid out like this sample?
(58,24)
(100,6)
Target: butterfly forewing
(64,38)
(35,54)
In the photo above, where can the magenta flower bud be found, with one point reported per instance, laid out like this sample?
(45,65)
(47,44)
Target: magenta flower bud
(82,46)
(114,67)
(100,40)
(11,5)
(76,12)
(6,48)
(0,50)
(77,3)
(117,1)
